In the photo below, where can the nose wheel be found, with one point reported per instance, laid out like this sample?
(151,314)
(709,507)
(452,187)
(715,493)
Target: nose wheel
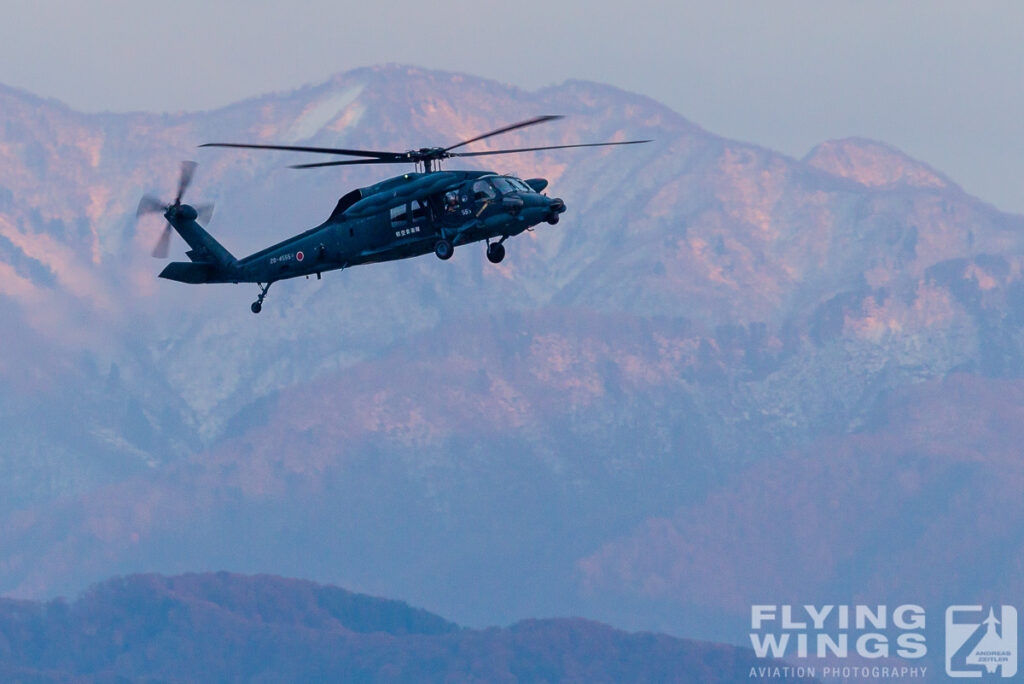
(257,306)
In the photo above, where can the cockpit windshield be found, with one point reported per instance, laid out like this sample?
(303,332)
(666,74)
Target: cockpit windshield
(507,184)
(503,185)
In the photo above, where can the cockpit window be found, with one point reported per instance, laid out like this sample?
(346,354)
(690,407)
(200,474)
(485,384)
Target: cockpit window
(503,185)
(520,185)
(483,190)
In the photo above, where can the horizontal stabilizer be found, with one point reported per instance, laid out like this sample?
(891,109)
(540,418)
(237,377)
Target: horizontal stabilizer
(185,272)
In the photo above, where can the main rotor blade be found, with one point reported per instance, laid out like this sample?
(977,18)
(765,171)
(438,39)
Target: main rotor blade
(317,165)
(150,205)
(163,245)
(188,169)
(506,129)
(546,147)
(316,150)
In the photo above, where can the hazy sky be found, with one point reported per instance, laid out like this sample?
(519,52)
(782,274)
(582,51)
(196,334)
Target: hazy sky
(943,81)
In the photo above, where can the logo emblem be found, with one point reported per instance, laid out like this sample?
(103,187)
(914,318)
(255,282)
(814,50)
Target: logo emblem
(981,642)
(299,256)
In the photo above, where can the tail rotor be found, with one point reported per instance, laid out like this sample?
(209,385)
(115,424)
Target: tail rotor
(154,205)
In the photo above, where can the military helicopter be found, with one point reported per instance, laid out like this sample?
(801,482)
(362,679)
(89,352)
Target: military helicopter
(401,217)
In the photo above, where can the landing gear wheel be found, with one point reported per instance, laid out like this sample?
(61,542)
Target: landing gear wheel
(553,219)
(257,306)
(443,249)
(495,252)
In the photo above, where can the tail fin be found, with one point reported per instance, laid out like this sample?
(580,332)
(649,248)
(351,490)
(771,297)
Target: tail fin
(204,248)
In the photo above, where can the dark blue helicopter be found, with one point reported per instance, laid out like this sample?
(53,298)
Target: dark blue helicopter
(398,218)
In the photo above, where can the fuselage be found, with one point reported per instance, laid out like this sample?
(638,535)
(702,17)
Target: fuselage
(402,217)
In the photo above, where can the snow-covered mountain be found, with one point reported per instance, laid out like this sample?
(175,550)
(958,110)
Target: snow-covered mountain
(584,429)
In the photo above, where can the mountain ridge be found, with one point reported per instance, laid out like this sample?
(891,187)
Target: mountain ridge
(705,307)
(228,627)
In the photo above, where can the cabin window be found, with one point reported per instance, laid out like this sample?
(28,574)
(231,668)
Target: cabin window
(400,216)
(482,190)
(419,211)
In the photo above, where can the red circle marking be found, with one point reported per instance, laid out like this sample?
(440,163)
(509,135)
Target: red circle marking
(299,256)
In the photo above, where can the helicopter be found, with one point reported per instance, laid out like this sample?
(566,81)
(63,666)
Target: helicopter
(429,210)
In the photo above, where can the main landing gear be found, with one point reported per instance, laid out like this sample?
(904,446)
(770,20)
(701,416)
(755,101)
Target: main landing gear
(443,249)
(257,306)
(495,252)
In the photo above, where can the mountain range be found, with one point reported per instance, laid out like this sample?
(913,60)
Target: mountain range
(222,627)
(728,376)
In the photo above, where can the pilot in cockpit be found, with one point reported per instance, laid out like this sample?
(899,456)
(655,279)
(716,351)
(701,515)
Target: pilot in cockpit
(451,202)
